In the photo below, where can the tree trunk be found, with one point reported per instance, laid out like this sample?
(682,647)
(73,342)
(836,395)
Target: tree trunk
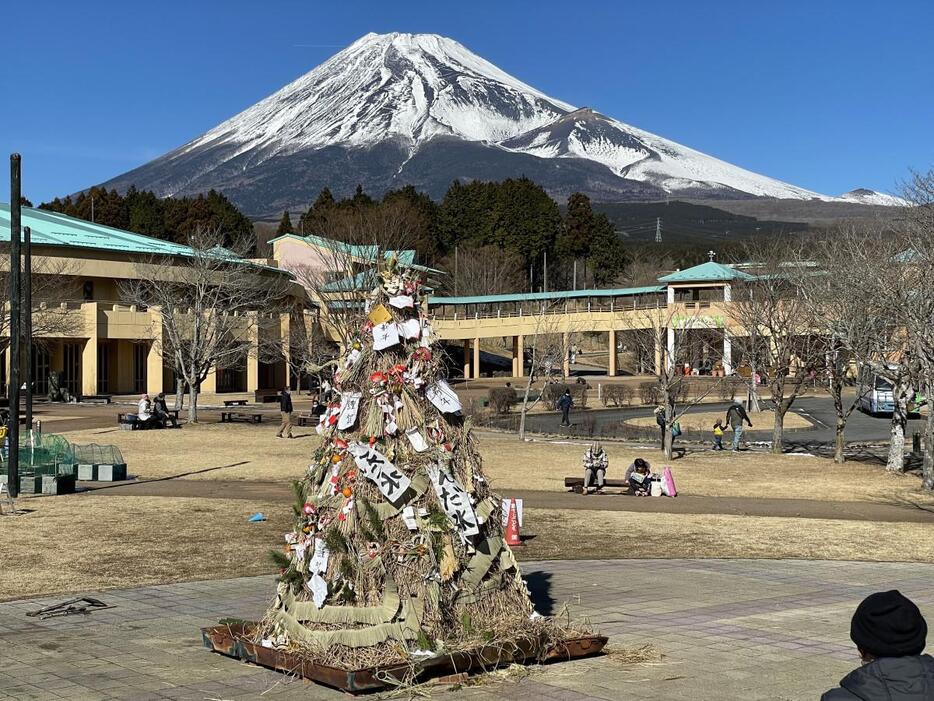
(927,465)
(778,429)
(179,393)
(839,441)
(193,404)
(836,392)
(896,459)
(525,407)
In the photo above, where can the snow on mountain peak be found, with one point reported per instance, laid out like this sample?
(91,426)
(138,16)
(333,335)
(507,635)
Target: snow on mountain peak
(863,195)
(407,86)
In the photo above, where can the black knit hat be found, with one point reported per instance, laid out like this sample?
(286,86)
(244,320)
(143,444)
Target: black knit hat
(888,624)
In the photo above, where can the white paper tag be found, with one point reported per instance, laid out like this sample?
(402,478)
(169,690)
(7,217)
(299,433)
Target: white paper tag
(350,403)
(376,467)
(408,515)
(385,335)
(402,302)
(319,589)
(443,397)
(417,440)
(410,328)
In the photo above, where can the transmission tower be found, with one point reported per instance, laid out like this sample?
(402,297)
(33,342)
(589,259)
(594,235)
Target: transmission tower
(658,230)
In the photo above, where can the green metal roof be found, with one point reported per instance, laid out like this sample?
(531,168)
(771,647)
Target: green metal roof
(706,272)
(533,296)
(54,229)
(405,257)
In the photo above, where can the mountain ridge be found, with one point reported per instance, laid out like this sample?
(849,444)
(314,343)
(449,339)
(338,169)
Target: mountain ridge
(421,109)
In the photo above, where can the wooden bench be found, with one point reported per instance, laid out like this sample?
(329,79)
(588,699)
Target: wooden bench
(303,418)
(264,396)
(234,402)
(124,419)
(576,484)
(231,416)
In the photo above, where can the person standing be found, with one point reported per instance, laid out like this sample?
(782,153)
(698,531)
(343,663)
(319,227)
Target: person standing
(564,404)
(718,435)
(595,463)
(890,634)
(661,422)
(285,409)
(735,416)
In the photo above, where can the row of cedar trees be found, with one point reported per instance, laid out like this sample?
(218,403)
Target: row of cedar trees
(503,234)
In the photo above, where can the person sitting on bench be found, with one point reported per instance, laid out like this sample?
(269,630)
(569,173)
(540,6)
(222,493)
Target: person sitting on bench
(595,463)
(161,410)
(144,412)
(638,475)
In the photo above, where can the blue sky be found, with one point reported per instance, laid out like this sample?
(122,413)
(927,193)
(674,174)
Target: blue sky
(826,95)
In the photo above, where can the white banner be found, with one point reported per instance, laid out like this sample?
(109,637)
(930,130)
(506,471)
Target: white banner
(454,500)
(392,483)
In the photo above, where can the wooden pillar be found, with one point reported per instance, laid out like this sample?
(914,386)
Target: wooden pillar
(611,338)
(566,344)
(476,357)
(466,359)
(520,356)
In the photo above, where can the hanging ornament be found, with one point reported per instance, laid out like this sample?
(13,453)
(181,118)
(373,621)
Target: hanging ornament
(385,335)
(350,403)
(443,397)
(379,315)
(309,509)
(402,302)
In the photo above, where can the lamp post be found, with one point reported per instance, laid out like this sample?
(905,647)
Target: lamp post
(27,322)
(15,294)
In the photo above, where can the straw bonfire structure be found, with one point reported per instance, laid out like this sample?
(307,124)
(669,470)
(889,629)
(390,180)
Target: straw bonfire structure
(397,552)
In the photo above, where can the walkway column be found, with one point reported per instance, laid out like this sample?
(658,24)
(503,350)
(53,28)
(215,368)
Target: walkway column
(520,356)
(89,354)
(659,353)
(154,359)
(476,357)
(466,359)
(252,358)
(611,338)
(566,344)
(669,361)
(727,353)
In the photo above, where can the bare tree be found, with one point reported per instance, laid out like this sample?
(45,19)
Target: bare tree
(340,271)
(305,350)
(210,304)
(786,342)
(53,285)
(483,270)
(670,336)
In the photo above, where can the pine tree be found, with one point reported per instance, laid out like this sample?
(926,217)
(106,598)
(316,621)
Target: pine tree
(577,234)
(285,224)
(398,539)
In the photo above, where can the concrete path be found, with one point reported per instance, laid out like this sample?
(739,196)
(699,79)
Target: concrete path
(728,630)
(901,512)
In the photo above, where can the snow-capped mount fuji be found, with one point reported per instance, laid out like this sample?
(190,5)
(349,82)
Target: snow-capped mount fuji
(862,195)
(421,109)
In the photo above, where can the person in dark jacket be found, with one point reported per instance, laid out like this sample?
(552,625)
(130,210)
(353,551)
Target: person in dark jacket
(564,404)
(890,634)
(285,409)
(735,416)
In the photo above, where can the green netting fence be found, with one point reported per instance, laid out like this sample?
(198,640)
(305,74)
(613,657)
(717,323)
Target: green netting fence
(95,454)
(41,452)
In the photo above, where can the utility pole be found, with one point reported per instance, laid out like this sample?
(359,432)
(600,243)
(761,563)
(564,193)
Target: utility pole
(27,321)
(545,269)
(575,273)
(455,271)
(658,230)
(13,387)
(92,209)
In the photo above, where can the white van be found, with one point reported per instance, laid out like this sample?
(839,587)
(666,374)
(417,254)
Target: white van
(875,393)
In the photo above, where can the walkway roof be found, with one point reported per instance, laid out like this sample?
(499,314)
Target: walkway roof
(365,253)
(706,272)
(554,296)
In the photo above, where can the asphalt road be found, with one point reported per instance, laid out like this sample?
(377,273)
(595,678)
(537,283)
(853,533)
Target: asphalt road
(819,410)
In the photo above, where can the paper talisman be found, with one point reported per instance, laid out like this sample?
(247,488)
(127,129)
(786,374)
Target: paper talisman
(392,483)
(402,302)
(443,397)
(379,315)
(350,404)
(385,335)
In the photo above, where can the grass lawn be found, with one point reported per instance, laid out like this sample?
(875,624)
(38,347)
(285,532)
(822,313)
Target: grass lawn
(91,541)
(216,451)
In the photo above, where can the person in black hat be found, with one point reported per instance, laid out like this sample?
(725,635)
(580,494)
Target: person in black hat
(890,634)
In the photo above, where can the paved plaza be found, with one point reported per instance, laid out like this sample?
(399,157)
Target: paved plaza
(728,629)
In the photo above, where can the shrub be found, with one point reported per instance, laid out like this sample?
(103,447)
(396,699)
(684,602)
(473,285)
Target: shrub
(617,394)
(552,392)
(649,392)
(502,398)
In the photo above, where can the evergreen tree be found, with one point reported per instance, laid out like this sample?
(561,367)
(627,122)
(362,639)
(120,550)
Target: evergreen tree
(424,220)
(285,224)
(577,234)
(608,257)
(312,220)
